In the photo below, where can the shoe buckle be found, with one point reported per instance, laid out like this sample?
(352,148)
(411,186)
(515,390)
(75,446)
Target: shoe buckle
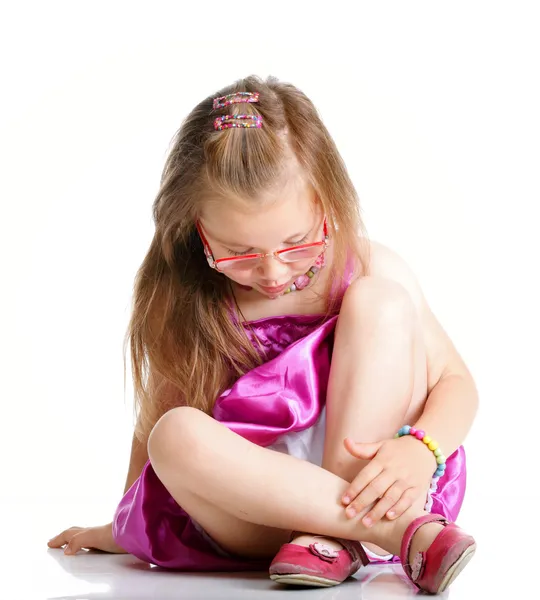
(324,552)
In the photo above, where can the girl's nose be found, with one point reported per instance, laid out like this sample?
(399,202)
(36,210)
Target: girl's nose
(272,269)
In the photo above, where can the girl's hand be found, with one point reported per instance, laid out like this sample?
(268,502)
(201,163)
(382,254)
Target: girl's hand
(399,473)
(98,538)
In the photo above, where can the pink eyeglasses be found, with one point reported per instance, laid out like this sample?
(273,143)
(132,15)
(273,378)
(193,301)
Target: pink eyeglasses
(249,261)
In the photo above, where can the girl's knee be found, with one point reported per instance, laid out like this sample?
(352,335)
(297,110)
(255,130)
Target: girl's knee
(378,300)
(175,432)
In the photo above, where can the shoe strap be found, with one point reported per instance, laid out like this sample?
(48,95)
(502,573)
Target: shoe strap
(355,549)
(409,534)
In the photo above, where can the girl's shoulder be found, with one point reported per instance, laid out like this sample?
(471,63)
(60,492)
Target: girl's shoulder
(380,261)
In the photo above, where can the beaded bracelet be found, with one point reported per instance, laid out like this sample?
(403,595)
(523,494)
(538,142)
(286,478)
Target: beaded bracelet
(431,444)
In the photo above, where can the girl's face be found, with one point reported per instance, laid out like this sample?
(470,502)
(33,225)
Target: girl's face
(279,221)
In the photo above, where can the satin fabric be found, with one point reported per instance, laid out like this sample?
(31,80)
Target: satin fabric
(284,395)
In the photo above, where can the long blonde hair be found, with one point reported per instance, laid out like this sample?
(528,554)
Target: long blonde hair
(185,349)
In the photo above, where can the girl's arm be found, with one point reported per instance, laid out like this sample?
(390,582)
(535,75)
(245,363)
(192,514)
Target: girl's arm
(166,396)
(138,458)
(450,409)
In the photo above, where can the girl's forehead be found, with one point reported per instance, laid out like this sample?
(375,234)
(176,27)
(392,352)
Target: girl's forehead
(296,200)
(287,211)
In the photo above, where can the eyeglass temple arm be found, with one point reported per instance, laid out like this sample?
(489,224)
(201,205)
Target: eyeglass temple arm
(204,240)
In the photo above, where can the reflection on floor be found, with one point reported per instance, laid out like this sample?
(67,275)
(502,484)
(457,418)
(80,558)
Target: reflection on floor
(32,570)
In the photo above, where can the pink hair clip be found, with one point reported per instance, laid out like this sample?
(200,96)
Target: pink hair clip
(235,98)
(219,124)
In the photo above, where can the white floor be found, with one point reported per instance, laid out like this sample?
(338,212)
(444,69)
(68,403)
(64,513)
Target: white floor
(30,570)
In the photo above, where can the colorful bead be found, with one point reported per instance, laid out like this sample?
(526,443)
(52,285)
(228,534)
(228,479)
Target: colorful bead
(302,282)
(420,435)
(321,261)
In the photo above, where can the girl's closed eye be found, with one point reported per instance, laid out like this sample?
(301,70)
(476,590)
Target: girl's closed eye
(299,242)
(250,251)
(233,253)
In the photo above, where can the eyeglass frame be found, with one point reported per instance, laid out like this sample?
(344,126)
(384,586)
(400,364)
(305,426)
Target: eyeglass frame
(213,262)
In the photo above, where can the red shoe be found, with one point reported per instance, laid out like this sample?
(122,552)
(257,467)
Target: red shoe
(434,570)
(317,565)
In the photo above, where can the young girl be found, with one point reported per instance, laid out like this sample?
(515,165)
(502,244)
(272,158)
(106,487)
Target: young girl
(290,378)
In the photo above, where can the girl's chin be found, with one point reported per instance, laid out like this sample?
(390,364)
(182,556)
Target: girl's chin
(273,292)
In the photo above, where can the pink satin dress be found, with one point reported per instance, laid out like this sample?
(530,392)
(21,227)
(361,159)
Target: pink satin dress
(279,404)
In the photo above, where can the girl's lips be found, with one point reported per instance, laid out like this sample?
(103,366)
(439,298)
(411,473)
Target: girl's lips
(274,290)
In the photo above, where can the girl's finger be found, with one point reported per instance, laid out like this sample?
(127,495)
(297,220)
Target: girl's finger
(76,543)
(63,538)
(374,490)
(366,475)
(405,502)
(361,450)
(386,503)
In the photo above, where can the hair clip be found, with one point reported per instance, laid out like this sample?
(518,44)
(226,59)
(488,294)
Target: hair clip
(219,124)
(235,98)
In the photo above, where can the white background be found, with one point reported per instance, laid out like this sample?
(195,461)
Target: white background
(434,107)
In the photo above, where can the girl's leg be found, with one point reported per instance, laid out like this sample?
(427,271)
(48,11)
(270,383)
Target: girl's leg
(378,377)
(222,480)
(233,534)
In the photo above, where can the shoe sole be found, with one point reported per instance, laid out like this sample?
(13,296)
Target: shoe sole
(456,568)
(314,581)
(301,579)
